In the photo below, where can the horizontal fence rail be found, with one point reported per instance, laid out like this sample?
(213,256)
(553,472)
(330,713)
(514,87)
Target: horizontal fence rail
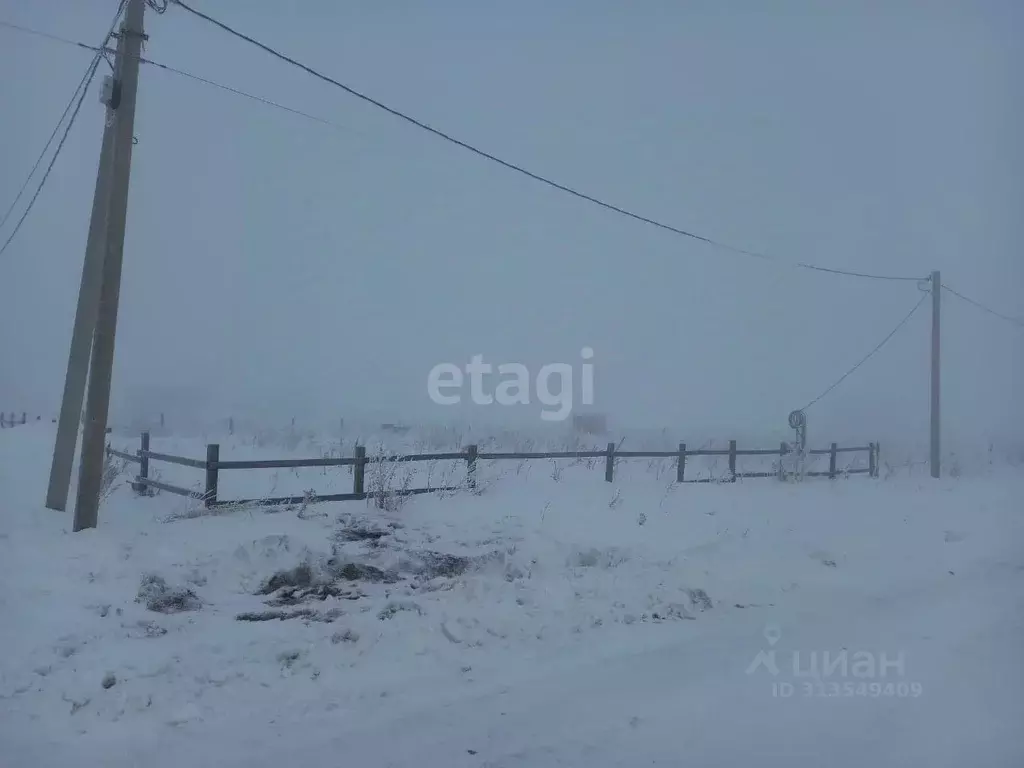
(212,466)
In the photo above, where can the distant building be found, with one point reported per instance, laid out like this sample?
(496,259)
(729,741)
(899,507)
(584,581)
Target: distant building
(590,423)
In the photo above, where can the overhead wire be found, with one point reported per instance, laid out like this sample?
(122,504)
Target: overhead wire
(189,75)
(64,114)
(870,354)
(101,50)
(46,35)
(520,169)
(77,101)
(239,92)
(1008,318)
(46,175)
(45,149)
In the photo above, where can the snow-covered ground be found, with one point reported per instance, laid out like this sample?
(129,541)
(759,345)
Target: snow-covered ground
(551,619)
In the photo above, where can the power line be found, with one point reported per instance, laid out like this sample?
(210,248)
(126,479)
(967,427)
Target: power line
(247,95)
(81,93)
(67,130)
(46,35)
(870,354)
(46,148)
(64,114)
(1015,320)
(518,168)
(190,75)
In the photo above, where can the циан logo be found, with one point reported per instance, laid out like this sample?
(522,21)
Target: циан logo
(833,673)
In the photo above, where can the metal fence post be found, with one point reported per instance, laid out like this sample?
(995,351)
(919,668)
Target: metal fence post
(212,460)
(359,472)
(471,451)
(681,463)
(732,461)
(609,463)
(138,486)
(832,462)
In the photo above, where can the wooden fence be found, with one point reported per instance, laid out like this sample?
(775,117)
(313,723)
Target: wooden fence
(12,420)
(212,466)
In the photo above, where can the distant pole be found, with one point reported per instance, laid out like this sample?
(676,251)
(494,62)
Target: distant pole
(97,407)
(936,457)
(85,324)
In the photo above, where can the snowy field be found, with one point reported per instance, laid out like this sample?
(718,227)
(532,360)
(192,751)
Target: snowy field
(551,619)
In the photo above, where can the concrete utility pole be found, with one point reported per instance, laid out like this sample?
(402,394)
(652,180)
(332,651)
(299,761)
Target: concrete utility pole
(85,324)
(97,406)
(936,457)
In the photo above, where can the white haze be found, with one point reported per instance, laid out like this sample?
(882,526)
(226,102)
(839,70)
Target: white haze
(277,268)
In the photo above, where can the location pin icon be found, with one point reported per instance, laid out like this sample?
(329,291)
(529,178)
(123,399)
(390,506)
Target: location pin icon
(772,633)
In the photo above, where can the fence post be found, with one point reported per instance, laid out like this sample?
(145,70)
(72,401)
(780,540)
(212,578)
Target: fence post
(359,472)
(878,454)
(471,451)
(609,463)
(732,461)
(681,463)
(231,425)
(24,417)
(137,486)
(212,459)
(783,450)
(832,462)
(161,420)
(872,465)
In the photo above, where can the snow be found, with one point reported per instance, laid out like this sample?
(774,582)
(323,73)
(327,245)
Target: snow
(594,624)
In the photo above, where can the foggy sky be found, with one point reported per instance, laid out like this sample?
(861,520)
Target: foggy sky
(281,267)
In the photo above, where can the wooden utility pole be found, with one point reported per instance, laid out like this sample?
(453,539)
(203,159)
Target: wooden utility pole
(936,457)
(85,324)
(97,406)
